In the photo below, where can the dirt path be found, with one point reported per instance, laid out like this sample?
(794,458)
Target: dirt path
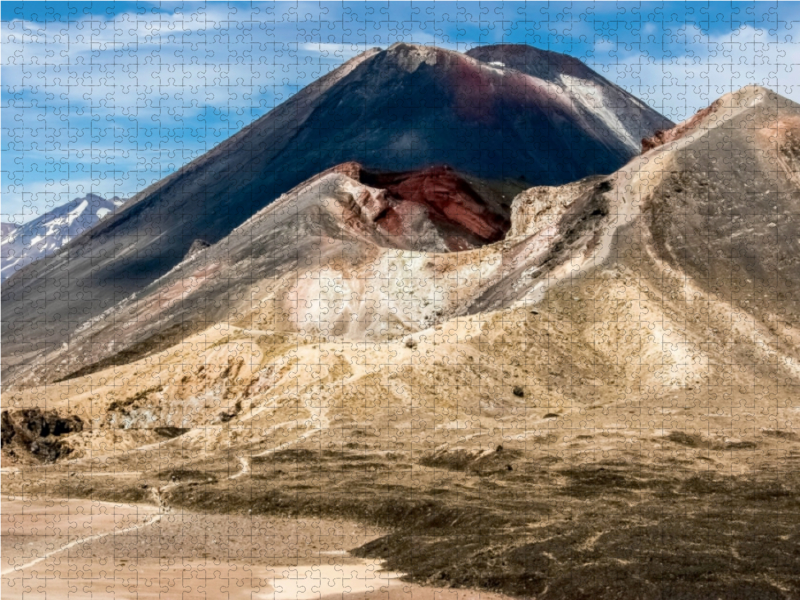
(245,468)
(290,443)
(183,556)
(34,530)
(170,554)
(317,416)
(84,540)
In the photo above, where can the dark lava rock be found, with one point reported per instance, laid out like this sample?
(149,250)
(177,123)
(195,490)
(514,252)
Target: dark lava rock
(35,432)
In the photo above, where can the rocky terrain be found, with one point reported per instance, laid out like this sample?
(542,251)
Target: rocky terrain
(401,109)
(45,235)
(576,391)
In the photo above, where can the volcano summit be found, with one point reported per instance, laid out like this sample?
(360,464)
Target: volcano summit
(406,108)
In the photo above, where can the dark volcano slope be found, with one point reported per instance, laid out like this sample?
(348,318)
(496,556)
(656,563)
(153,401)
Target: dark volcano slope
(410,107)
(401,109)
(601,103)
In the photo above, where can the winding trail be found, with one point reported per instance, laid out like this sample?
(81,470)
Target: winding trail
(245,468)
(72,544)
(318,417)
(290,443)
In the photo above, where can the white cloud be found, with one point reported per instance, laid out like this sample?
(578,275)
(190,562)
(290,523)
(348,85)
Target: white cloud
(141,64)
(703,67)
(339,51)
(132,98)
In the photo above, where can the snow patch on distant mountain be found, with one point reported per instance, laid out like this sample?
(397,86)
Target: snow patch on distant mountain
(45,235)
(6,228)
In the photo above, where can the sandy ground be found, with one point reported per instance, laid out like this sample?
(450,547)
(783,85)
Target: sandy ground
(33,529)
(397,590)
(82,549)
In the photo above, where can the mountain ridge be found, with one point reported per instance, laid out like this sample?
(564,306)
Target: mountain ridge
(600,404)
(325,239)
(399,109)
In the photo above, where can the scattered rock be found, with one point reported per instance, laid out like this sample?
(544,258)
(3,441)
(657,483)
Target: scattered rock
(197,246)
(35,433)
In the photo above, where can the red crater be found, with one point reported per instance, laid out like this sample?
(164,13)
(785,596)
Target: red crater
(464,213)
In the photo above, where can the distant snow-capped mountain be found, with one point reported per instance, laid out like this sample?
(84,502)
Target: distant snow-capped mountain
(44,235)
(6,228)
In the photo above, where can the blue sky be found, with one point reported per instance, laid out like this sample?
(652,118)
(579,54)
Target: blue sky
(110,97)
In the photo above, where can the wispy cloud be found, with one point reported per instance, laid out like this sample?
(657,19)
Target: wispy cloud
(111,101)
(700,67)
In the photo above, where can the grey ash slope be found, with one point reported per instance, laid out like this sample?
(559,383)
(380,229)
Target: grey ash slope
(727,210)
(403,108)
(600,102)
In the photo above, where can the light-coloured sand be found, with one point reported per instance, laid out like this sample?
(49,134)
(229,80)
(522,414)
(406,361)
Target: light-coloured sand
(82,549)
(398,590)
(35,528)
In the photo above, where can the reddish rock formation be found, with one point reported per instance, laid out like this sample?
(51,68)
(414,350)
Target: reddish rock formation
(464,217)
(664,136)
